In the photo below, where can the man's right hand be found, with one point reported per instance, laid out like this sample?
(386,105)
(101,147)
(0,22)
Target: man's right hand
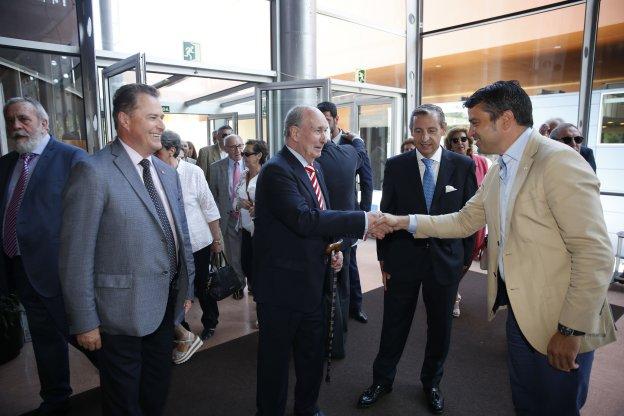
(90,340)
(384,275)
(377,225)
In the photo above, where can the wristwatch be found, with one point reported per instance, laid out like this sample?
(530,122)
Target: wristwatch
(564,330)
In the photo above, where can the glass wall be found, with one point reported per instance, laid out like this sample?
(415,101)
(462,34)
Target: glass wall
(365,37)
(542,51)
(42,21)
(224,33)
(54,80)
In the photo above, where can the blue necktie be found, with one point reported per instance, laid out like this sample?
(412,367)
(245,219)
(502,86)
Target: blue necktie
(503,169)
(428,182)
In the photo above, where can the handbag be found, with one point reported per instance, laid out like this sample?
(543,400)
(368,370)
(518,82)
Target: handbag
(222,279)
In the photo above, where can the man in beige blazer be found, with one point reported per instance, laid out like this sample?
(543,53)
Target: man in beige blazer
(552,269)
(215,152)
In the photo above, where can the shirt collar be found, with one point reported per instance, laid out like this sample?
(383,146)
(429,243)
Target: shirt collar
(336,138)
(232,162)
(516,150)
(300,158)
(42,145)
(135,157)
(436,157)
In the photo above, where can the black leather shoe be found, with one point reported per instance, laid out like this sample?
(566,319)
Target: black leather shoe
(435,401)
(206,333)
(372,394)
(359,316)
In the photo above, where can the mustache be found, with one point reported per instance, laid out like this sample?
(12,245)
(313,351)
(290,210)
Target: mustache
(20,133)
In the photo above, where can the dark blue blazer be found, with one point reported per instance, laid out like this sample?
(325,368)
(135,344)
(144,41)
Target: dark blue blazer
(39,217)
(403,194)
(365,172)
(291,234)
(588,154)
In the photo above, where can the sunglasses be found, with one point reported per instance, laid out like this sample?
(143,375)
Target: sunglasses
(457,139)
(568,140)
(247,154)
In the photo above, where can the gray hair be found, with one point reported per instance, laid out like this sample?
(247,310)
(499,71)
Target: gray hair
(294,117)
(426,109)
(41,112)
(555,132)
(171,139)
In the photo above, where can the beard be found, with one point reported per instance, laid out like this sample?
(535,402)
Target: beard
(26,143)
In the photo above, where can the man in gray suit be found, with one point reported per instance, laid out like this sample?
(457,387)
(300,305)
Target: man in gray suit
(126,263)
(224,177)
(210,154)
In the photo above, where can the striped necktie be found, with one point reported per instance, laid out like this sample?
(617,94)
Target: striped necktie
(9,235)
(315,185)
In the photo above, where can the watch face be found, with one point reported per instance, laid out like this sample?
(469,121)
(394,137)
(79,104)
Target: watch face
(566,331)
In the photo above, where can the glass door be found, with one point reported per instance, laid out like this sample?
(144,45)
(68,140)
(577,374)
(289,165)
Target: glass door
(218,120)
(275,99)
(126,71)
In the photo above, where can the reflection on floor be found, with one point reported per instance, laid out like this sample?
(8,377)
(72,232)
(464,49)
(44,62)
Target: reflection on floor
(19,384)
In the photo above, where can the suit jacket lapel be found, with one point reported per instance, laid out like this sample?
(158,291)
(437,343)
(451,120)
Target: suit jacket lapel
(169,184)
(124,164)
(524,167)
(445,172)
(5,178)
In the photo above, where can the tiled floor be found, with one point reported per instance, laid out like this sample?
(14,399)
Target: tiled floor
(19,384)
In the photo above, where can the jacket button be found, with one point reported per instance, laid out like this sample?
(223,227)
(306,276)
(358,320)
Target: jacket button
(165,273)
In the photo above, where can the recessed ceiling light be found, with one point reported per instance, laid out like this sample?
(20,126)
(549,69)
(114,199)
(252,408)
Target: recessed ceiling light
(53,62)
(557,47)
(609,122)
(438,66)
(65,76)
(55,81)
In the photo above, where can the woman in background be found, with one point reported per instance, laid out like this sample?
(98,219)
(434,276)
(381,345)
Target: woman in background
(457,140)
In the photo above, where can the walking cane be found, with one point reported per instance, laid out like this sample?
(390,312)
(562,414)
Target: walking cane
(330,251)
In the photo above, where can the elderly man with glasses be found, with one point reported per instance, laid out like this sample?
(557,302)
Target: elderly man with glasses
(569,134)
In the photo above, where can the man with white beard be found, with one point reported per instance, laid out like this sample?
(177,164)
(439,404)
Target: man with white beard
(32,178)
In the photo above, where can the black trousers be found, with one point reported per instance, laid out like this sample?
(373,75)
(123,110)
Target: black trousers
(49,332)
(135,371)
(282,332)
(209,306)
(247,257)
(355,295)
(399,306)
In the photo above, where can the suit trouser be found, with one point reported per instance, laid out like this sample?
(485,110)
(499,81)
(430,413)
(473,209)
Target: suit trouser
(355,295)
(135,371)
(282,331)
(247,256)
(233,241)
(538,388)
(399,306)
(341,314)
(209,306)
(49,332)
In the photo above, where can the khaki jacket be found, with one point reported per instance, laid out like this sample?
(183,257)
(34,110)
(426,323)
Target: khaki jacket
(206,157)
(558,257)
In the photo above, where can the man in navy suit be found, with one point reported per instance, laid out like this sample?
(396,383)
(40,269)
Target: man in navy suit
(365,174)
(340,164)
(32,178)
(293,227)
(434,180)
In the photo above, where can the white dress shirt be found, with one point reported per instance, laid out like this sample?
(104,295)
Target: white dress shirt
(136,158)
(245,191)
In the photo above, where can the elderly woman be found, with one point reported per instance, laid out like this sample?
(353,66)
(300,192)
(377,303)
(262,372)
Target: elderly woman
(255,154)
(202,216)
(457,140)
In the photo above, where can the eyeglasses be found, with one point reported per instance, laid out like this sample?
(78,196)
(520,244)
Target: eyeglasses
(236,146)
(568,140)
(247,154)
(457,139)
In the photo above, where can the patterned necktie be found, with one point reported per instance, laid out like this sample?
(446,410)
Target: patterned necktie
(428,182)
(315,185)
(236,173)
(162,216)
(9,235)
(502,172)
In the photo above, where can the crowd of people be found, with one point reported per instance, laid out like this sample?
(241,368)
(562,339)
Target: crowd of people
(108,252)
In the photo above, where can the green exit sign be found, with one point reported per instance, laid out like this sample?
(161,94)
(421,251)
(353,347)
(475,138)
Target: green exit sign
(165,109)
(191,51)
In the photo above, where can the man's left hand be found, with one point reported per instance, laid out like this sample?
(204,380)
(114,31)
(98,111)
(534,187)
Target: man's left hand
(336,262)
(562,351)
(348,136)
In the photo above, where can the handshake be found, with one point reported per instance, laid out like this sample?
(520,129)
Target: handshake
(380,224)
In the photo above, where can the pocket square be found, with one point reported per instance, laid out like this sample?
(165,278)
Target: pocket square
(449,188)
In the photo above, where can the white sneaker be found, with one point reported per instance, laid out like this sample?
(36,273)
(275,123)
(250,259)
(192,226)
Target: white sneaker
(456,311)
(185,349)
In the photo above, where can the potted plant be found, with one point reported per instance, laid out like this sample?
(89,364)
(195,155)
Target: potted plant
(11,334)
